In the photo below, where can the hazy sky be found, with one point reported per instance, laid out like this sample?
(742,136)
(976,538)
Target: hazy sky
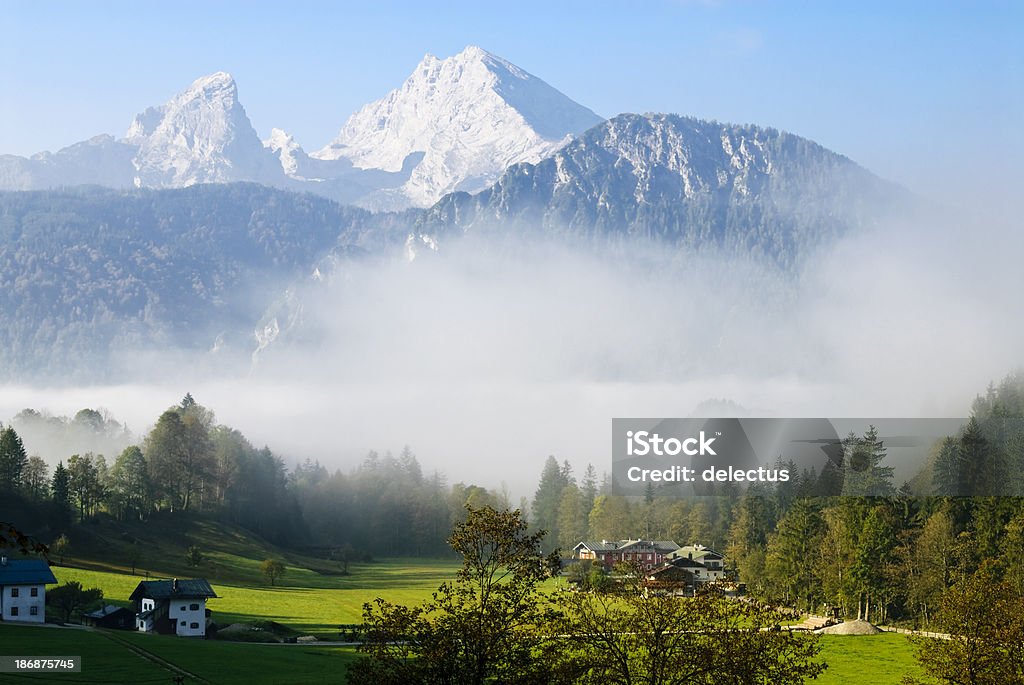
(928,94)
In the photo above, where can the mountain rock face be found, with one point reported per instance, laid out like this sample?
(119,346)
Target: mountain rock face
(455,124)
(202,135)
(288,152)
(466,118)
(184,258)
(679,180)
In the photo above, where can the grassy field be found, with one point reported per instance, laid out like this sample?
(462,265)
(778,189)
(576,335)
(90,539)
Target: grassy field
(314,597)
(316,610)
(108,661)
(878,659)
(855,659)
(232,555)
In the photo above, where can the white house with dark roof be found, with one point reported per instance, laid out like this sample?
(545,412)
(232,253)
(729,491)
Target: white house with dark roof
(23,589)
(707,564)
(173,607)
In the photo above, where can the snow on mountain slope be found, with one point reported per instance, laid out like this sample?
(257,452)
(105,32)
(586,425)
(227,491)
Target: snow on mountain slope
(285,148)
(470,116)
(201,135)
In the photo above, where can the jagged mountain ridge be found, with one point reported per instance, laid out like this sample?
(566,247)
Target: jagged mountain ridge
(677,183)
(680,181)
(470,116)
(201,135)
(455,123)
(679,186)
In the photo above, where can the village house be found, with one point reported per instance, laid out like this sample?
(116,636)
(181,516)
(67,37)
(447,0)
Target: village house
(172,607)
(647,553)
(687,568)
(23,589)
(706,564)
(111,616)
(672,579)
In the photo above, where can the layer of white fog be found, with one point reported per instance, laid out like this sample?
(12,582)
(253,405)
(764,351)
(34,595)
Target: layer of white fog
(485,364)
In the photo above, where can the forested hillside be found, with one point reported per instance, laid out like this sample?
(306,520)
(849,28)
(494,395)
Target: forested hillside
(88,273)
(684,183)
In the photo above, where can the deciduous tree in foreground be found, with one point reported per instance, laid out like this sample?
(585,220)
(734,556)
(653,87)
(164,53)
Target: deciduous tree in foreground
(482,627)
(985,620)
(632,636)
(495,624)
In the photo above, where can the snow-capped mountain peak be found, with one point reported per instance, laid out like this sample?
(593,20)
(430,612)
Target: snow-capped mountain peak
(201,135)
(470,116)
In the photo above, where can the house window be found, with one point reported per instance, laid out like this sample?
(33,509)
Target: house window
(34,592)
(14,611)
(182,624)
(193,607)
(15,591)
(183,607)
(193,625)
(33,611)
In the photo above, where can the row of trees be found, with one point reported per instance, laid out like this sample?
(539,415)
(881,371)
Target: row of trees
(386,505)
(186,463)
(189,463)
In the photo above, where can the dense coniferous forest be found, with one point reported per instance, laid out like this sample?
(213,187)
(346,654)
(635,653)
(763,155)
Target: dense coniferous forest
(887,557)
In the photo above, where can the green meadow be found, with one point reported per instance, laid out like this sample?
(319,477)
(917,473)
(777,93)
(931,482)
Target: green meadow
(314,597)
(310,609)
(107,660)
(877,659)
(881,659)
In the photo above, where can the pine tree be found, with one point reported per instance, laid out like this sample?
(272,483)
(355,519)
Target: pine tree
(983,471)
(12,459)
(60,490)
(790,550)
(948,479)
(548,498)
(864,475)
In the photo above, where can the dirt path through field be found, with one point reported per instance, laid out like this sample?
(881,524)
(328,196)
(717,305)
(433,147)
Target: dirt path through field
(146,654)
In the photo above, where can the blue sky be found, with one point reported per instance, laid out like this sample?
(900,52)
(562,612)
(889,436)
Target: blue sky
(930,94)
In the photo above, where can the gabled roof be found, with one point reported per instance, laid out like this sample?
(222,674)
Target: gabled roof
(669,571)
(603,546)
(686,562)
(26,572)
(107,611)
(173,589)
(698,552)
(663,546)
